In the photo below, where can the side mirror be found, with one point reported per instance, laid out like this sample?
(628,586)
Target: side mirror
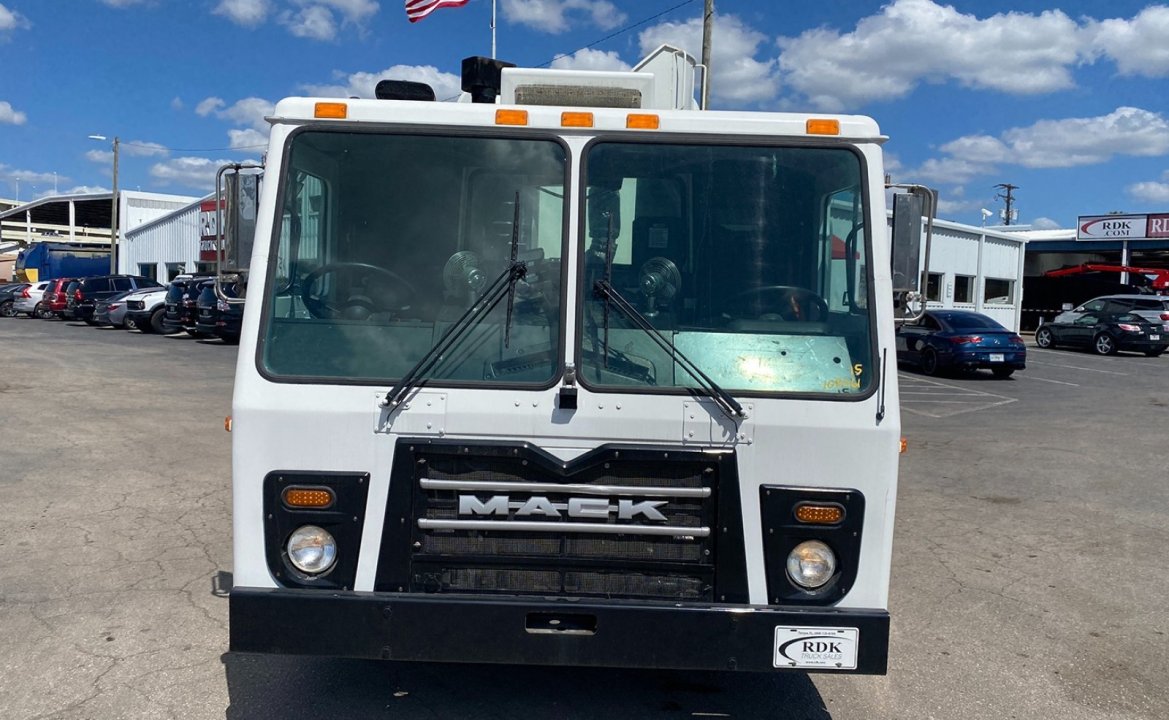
(907,247)
(237,187)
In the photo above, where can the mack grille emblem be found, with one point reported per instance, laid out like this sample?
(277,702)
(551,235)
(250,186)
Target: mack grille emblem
(580,508)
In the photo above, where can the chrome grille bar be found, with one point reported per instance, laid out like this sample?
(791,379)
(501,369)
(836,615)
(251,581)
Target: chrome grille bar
(564,527)
(573,488)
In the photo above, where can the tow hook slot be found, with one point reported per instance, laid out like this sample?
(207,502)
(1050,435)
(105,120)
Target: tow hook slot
(561,624)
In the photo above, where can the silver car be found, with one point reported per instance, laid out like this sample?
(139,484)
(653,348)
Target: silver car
(26,300)
(1154,308)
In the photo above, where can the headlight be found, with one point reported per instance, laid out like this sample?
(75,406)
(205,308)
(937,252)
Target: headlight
(312,550)
(811,564)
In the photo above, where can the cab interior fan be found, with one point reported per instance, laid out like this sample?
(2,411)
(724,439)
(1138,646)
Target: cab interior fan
(659,280)
(461,276)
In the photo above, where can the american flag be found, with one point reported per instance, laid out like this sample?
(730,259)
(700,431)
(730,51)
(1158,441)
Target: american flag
(418,9)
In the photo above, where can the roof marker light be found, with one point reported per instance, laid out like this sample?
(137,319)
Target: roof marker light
(576,119)
(331,110)
(823,126)
(511,117)
(642,122)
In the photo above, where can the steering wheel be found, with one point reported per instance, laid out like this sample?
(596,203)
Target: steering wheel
(784,302)
(372,289)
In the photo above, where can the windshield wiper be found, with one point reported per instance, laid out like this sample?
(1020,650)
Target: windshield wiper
(503,286)
(731,407)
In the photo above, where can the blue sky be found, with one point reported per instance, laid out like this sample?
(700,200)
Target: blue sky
(1065,99)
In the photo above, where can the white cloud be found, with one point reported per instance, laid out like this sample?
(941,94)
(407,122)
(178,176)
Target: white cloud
(737,77)
(1151,191)
(315,23)
(913,41)
(102,157)
(141,148)
(248,13)
(312,19)
(176,103)
(588,59)
(1137,46)
(1069,142)
(27,176)
(11,20)
(11,115)
(552,16)
(124,3)
(248,140)
(1045,223)
(208,106)
(1089,141)
(189,172)
(362,84)
(84,190)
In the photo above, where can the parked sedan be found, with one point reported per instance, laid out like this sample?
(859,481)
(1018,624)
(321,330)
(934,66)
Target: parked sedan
(8,295)
(104,309)
(1106,333)
(962,340)
(26,301)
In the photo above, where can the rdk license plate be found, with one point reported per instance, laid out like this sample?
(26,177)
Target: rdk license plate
(826,648)
(996,357)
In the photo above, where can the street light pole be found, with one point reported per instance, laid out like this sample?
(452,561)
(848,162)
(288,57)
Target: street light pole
(113,208)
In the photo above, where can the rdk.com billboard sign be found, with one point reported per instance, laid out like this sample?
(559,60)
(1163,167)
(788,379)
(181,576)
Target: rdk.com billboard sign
(1122,227)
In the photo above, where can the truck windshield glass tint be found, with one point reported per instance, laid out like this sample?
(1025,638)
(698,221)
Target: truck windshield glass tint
(751,260)
(387,239)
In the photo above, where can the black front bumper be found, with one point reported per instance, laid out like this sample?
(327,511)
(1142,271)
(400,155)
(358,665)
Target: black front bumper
(534,631)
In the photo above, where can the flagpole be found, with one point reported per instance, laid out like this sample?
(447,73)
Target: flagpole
(493,29)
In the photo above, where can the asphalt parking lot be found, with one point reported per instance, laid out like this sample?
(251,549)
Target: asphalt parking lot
(1029,563)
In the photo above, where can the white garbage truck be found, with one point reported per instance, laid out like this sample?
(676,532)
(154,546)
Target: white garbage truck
(571,372)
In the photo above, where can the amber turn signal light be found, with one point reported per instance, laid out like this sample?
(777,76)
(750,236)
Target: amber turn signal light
(331,110)
(819,514)
(308,498)
(227,423)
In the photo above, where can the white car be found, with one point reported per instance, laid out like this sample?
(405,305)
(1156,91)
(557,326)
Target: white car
(26,300)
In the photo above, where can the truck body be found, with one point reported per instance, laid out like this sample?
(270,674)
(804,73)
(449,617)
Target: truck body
(574,374)
(51,260)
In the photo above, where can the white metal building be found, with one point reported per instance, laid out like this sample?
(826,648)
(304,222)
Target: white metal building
(165,246)
(980,269)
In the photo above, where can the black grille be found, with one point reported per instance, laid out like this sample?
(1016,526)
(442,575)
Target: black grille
(430,547)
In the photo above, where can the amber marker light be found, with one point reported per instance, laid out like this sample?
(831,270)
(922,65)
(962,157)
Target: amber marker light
(576,119)
(227,423)
(306,498)
(819,514)
(823,126)
(333,111)
(904,445)
(511,117)
(642,122)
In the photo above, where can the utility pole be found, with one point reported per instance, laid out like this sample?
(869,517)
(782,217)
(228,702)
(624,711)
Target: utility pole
(1008,198)
(707,27)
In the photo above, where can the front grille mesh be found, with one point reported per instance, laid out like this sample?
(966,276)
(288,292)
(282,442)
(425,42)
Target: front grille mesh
(556,562)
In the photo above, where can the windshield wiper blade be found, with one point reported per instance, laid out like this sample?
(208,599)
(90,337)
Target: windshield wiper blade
(731,407)
(499,288)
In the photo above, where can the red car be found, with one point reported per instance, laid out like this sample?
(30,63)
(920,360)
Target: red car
(55,299)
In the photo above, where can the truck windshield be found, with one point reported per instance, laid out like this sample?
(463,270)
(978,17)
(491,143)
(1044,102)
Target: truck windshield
(753,261)
(387,239)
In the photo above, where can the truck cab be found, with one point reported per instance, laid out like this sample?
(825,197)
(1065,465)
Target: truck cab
(573,374)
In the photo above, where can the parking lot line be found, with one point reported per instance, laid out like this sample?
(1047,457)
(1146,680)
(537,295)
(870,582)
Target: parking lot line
(1070,367)
(1057,382)
(978,400)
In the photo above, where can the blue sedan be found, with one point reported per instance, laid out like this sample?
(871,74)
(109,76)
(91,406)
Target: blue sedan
(962,340)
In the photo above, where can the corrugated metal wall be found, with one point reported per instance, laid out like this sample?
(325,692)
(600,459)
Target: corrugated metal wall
(173,240)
